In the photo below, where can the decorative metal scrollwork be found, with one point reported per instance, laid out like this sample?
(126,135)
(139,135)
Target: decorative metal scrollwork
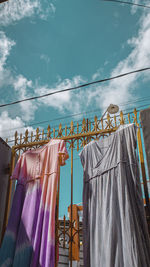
(81,134)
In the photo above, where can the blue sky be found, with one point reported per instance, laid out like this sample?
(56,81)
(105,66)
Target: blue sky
(49,45)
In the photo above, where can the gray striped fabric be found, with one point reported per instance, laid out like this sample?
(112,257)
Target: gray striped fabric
(115,231)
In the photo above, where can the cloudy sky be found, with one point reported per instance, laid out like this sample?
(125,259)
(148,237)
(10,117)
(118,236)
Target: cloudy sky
(48,45)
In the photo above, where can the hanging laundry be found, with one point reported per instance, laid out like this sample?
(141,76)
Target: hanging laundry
(30,235)
(115,232)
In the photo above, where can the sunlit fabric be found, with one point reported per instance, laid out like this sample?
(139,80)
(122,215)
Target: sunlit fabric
(115,232)
(30,235)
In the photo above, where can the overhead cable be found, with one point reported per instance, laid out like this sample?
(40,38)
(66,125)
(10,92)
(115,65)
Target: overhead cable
(2,1)
(76,87)
(125,110)
(128,3)
(141,99)
(55,119)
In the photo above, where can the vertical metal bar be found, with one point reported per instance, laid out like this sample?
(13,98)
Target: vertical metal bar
(141,156)
(75,233)
(87,129)
(8,197)
(57,217)
(71,237)
(64,232)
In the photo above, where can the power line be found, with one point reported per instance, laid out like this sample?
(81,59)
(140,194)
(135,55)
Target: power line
(128,3)
(76,87)
(126,110)
(72,115)
(48,121)
(54,126)
(141,99)
(2,1)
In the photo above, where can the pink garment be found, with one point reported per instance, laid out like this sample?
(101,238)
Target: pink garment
(32,220)
(34,164)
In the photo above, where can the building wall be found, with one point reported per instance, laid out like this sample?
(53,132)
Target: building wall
(145,122)
(5,158)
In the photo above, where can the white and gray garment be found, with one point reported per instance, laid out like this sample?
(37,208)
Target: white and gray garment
(115,232)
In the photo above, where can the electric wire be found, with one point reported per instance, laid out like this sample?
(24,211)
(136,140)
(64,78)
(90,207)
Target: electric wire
(2,1)
(128,3)
(76,87)
(54,126)
(126,113)
(80,122)
(55,119)
(141,99)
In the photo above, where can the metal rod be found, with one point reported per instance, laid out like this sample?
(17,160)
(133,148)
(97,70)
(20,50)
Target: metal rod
(141,156)
(57,217)
(71,237)
(64,232)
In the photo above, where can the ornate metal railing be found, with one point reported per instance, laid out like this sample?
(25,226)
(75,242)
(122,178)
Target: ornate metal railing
(76,135)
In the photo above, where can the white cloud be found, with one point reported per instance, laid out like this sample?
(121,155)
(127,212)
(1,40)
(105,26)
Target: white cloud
(97,74)
(134,9)
(122,90)
(5,47)
(19,83)
(49,10)
(116,91)
(15,10)
(6,123)
(52,7)
(62,101)
(23,86)
(66,101)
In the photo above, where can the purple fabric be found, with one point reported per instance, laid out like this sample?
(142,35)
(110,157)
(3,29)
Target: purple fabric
(30,235)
